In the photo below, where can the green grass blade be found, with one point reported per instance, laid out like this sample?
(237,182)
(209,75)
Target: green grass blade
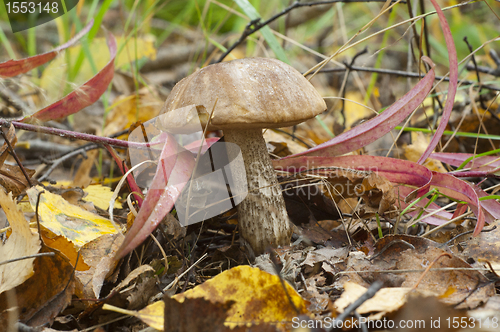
(273,43)
(466,161)
(449,132)
(92,33)
(6,45)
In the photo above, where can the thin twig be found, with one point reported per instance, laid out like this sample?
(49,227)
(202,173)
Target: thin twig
(255,25)
(14,154)
(70,155)
(344,84)
(27,257)
(429,267)
(401,73)
(473,58)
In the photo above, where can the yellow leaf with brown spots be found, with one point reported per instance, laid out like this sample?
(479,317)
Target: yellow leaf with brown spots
(62,218)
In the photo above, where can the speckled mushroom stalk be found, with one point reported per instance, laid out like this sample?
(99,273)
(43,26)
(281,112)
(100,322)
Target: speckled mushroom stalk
(251,94)
(262,217)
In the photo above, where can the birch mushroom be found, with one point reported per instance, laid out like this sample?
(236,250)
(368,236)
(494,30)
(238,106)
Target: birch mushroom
(252,94)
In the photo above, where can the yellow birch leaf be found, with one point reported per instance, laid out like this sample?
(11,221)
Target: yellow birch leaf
(259,296)
(417,148)
(127,110)
(100,196)
(62,218)
(19,244)
(354,109)
(151,315)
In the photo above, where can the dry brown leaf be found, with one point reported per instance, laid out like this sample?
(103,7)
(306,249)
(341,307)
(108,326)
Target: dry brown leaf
(22,242)
(282,143)
(43,296)
(384,301)
(330,255)
(464,288)
(484,248)
(98,255)
(4,149)
(209,317)
(344,183)
(82,178)
(318,302)
(136,289)
(427,313)
(13,179)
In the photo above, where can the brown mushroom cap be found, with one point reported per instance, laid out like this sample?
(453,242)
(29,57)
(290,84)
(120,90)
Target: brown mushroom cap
(250,93)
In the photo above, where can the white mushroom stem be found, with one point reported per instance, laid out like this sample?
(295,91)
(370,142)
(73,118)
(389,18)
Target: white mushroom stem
(262,217)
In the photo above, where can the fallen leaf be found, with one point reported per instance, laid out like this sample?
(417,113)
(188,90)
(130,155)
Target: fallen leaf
(16,67)
(22,242)
(404,252)
(385,300)
(484,248)
(11,136)
(151,315)
(100,196)
(283,144)
(417,148)
(127,110)
(259,296)
(136,289)
(62,218)
(210,316)
(43,296)
(13,179)
(330,255)
(83,96)
(98,257)
(82,178)
(427,313)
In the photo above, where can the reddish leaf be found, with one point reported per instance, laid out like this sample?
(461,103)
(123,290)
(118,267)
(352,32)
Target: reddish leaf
(462,190)
(395,170)
(43,296)
(123,169)
(85,95)
(403,172)
(377,127)
(174,170)
(16,67)
(207,143)
(452,87)
(461,209)
(491,206)
(456,159)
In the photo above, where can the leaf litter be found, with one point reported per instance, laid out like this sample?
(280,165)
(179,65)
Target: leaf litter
(334,259)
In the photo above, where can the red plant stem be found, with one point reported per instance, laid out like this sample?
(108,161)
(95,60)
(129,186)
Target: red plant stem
(475,174)
(77,135)
(130,179)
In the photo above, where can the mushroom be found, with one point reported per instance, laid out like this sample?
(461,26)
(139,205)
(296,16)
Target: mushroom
(252,94)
